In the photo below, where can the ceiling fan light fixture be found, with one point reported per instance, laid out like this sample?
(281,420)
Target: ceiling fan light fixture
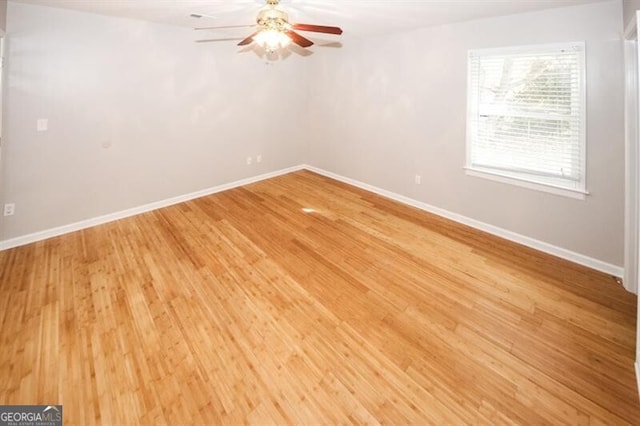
(274,31)
(272,40)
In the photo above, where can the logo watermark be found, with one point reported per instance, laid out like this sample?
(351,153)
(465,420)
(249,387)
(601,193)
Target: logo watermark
(30,415)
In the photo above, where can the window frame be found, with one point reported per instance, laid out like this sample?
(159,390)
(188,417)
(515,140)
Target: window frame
(513,177)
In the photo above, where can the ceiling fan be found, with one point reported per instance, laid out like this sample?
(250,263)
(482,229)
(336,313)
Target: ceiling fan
(274,30)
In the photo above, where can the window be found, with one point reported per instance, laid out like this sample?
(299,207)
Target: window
(526,116)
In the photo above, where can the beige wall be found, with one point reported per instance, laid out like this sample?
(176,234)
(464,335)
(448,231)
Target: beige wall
(388,108)
(3,27)
(629,8)
(3,15)
(137,113)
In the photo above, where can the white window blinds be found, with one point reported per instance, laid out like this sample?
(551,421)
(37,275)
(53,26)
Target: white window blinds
(526,114)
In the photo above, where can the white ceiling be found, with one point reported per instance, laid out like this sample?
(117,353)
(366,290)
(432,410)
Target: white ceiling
(357,18)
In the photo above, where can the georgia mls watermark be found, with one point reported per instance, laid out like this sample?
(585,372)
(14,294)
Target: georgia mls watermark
(30,415)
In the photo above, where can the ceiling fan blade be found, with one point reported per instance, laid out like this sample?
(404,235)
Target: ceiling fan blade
(318,28)
(299,40)
(248,40)
(218,39)
(225,27)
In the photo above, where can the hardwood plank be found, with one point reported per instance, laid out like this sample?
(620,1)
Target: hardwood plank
(305,300)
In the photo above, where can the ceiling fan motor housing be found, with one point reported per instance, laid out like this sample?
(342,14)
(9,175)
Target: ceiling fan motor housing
(271,18)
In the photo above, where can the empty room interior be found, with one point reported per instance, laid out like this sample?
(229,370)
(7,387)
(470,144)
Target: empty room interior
(320,211)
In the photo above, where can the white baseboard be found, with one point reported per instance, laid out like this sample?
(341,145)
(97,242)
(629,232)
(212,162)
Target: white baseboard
(638,374)
(50,233)
(500,232)
(581,259)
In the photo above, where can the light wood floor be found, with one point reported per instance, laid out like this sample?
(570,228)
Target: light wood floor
(241,307)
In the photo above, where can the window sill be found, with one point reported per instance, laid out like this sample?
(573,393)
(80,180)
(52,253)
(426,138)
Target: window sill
(565,192)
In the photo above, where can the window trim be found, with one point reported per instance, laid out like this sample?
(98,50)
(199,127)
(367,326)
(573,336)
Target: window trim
(515,181)
(521,179)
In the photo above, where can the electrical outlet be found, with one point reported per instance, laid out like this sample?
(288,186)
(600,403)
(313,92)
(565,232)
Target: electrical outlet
(42,125)
(249,161)
(9,209)
(418,179)
(259,158)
